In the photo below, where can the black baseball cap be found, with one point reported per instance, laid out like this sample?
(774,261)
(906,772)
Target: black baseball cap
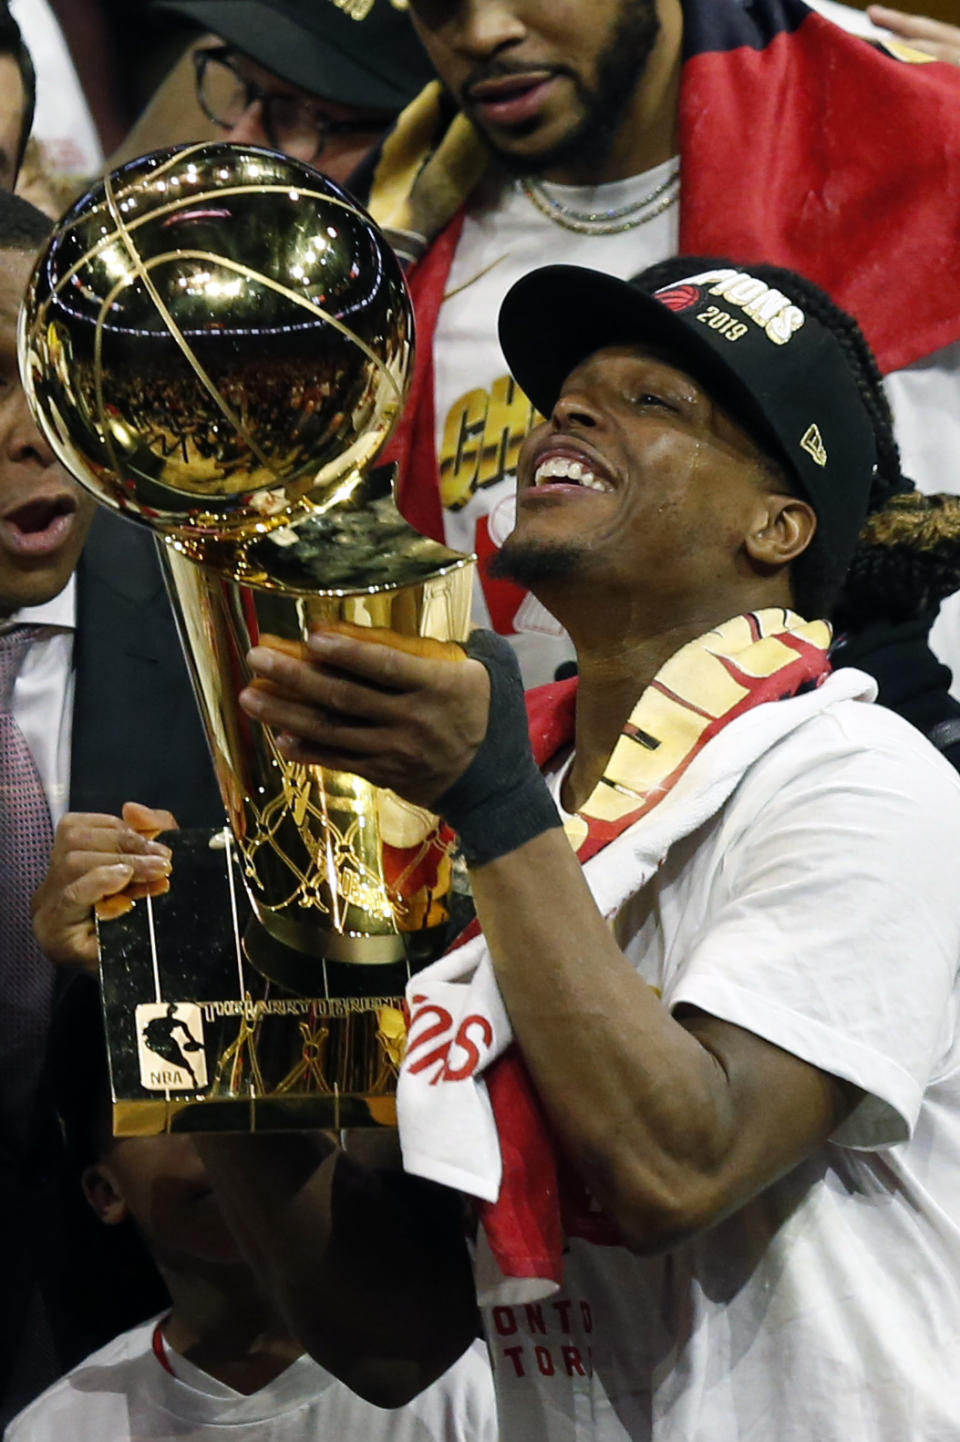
(377,63)
(778,370)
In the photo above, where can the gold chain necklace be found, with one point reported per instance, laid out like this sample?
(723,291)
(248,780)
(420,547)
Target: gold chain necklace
(604,222)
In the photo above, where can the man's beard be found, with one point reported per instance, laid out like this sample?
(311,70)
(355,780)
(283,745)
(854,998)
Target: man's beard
(531,564)
(621,66)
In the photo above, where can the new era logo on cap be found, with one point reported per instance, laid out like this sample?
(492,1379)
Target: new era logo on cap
(812,443)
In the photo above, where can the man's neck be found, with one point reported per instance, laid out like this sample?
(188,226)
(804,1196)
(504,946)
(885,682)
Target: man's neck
(222,1324)
(649,133)
(615,670)
(611,681)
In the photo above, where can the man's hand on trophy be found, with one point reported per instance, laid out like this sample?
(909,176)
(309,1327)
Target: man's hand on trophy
(445,731)
(100,866)
(404,713)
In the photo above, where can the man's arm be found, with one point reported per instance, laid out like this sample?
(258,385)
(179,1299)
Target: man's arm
(673,1122)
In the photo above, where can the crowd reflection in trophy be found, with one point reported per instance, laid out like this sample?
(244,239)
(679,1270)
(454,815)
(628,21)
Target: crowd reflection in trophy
(170,426)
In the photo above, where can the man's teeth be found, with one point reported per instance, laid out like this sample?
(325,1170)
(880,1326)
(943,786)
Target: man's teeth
(562,468)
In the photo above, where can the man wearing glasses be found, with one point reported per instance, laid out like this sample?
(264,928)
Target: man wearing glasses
(300,76)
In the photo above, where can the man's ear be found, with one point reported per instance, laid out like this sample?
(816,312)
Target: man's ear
(102,1192)
(785,526)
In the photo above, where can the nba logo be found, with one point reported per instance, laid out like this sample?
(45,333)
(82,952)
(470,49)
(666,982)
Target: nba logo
(170,1046)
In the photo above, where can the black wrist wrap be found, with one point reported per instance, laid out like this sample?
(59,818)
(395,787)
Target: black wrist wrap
(501,800)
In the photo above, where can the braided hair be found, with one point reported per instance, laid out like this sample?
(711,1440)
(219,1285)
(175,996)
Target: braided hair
(907,558)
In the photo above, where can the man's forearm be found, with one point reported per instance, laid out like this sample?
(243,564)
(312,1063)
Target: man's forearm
(671,1125)
(367,1266)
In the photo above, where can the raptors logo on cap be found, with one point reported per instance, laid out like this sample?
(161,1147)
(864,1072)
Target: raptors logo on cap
(678,297)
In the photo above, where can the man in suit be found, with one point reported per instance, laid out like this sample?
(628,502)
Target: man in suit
(96,710)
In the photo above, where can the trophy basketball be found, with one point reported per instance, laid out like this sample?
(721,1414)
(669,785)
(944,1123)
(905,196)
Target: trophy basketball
(216,342)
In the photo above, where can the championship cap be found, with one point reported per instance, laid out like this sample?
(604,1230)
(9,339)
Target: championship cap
(776,369)
(376,63)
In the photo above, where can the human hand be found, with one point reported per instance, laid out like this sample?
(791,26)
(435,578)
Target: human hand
(403,714)
(934,37)
(450,737)
(100,866)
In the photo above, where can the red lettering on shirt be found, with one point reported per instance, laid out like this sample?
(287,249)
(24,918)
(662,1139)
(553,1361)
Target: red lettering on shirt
(516,1356)
(572,1361)
(544,1361)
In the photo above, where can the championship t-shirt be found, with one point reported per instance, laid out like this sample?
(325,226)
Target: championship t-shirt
(818,910)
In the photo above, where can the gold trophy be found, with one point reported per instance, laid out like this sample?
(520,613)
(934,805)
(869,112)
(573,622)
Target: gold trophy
(216,342)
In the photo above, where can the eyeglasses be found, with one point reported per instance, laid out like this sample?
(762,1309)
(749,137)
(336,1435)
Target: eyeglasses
(292,123)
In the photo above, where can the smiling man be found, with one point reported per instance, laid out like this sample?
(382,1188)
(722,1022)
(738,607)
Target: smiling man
(722,919)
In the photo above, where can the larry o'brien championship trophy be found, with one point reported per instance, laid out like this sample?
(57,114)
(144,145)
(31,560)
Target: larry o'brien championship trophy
(216,342)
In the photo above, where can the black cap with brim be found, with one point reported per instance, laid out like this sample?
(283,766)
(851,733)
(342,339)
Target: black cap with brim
(776,369)
(377,63)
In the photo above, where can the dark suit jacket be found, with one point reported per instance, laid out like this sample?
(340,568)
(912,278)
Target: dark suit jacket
(136,737)
(136,729)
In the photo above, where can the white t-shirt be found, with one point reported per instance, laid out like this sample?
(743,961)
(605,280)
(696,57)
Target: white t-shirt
(819,910)
(482,416)
(124,1394)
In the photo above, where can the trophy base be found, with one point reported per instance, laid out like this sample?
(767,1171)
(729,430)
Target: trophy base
(254,1114)
(337,954)
(213,1025)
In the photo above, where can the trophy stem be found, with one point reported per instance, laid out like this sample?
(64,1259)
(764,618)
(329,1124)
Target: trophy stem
(336,869)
